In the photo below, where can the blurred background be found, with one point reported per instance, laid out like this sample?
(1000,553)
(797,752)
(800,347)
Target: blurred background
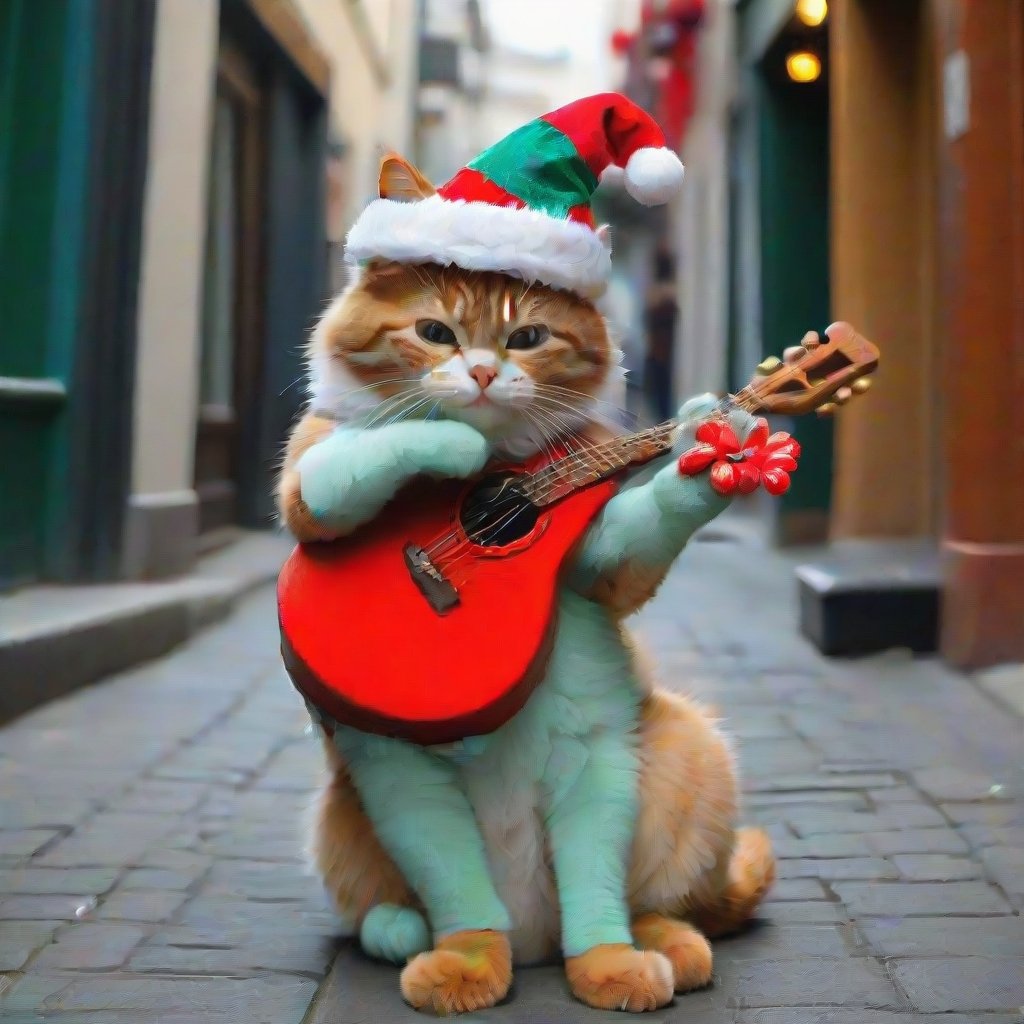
(177,177)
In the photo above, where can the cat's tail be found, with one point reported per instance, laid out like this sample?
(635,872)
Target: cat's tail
(750,875)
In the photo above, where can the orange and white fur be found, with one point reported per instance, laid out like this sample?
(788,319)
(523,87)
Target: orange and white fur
(523,365)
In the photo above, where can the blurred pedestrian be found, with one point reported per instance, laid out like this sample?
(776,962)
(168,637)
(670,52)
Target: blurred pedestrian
(660,314)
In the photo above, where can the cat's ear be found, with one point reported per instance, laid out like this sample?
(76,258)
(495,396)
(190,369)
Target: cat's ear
(401,181)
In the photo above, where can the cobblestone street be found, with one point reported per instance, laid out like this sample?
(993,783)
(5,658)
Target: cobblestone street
(151,863)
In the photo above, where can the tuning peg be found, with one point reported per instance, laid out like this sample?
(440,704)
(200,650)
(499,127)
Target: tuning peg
(827,409)
(769,366)
(861,385)
(842,396)
(792,354)
(810,340)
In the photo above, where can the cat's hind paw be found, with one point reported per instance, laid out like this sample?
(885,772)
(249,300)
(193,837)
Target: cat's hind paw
(394,933)
(687,950)
(619,977)
(469,970)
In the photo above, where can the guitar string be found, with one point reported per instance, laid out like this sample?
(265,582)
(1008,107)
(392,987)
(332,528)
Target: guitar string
(511,516)
(437,544)
(458,545)
(548,481)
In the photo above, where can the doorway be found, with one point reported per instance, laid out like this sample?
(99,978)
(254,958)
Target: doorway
(232,329)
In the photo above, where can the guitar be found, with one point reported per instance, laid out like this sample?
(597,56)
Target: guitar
(361,617)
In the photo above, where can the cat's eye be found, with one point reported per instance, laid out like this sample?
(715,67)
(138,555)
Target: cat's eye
(436,332)
(528,337)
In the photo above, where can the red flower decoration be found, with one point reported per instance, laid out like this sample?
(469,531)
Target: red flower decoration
(762,460)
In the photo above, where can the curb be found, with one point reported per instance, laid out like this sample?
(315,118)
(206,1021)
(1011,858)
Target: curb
(103,630)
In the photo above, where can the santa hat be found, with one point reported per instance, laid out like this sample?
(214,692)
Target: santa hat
(522,207)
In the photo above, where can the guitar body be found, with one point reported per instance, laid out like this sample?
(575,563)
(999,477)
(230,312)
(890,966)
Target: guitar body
(379,646)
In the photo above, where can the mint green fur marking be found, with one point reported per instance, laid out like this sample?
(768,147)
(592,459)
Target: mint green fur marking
(569,756)
(394,933)
(423,818)
(347,478)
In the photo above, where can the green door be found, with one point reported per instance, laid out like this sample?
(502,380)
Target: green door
(42,113)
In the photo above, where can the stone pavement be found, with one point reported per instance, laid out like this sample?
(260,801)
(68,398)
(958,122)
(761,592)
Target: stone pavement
(150,835)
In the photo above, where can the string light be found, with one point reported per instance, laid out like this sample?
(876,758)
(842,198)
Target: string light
(812,12)
(803,66)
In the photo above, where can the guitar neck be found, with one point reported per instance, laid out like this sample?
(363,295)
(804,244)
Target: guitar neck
(589,464)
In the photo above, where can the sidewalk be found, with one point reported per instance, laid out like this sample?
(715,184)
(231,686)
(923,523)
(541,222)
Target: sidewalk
(150,835)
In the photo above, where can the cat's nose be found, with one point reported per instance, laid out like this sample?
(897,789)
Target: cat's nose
(483,375)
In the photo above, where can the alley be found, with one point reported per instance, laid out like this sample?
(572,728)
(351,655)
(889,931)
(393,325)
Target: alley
(151,853)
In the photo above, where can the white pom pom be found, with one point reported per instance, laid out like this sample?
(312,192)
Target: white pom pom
(653,176)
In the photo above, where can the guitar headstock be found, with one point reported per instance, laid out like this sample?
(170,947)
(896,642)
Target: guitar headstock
(831,369)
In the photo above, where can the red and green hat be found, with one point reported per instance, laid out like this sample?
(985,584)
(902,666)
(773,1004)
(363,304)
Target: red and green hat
(522,207)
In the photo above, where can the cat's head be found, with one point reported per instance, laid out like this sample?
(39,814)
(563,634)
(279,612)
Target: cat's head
(515,360)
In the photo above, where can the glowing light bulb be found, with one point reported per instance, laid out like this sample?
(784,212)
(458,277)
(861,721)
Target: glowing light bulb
(803,66)
(812,12)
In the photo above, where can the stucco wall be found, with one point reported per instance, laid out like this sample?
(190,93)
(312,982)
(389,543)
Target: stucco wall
(172,246)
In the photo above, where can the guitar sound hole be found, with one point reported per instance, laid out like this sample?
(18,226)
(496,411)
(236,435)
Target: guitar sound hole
(497,513)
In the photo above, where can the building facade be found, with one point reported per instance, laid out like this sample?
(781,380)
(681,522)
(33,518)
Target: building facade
(878,180)
(176,177)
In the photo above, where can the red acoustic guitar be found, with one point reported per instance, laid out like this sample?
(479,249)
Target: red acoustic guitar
(362,618)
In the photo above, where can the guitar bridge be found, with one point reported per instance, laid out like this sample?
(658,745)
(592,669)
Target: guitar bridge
(432,583)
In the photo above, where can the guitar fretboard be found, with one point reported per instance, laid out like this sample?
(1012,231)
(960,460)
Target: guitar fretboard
(590,463)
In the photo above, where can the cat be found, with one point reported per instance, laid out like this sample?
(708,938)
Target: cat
(600,821)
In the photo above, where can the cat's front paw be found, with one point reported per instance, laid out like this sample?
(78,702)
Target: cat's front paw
(697,410)
(469,970)
(445,448)
(619,977)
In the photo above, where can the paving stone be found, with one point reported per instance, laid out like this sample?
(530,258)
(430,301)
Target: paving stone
(993,813)
(846,844)
(895,795)
(141,905)
(809,981)
(186,861)
(108,838)
(813,912)
(837,868)
(22,843)
(947,783)
(57,881)
(261,880)
(1006,867)
(158,878)
(796,889)
(956,936)
(804,1015)
(299,952)
(89,946)
(915,840)
(771,940)
(833,799)
(271,1000)
(20,939)
(935,867)
(923,899)
(982,836)
(44,908)
(964,983)
(809,822)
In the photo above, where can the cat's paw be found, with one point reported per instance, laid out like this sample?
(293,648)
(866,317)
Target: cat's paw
(686,949)
(619,977)
(445,448)
(695,411)
(469,970)
(394,933)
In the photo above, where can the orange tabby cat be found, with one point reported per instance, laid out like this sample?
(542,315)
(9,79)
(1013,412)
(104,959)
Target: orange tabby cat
(402,342)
